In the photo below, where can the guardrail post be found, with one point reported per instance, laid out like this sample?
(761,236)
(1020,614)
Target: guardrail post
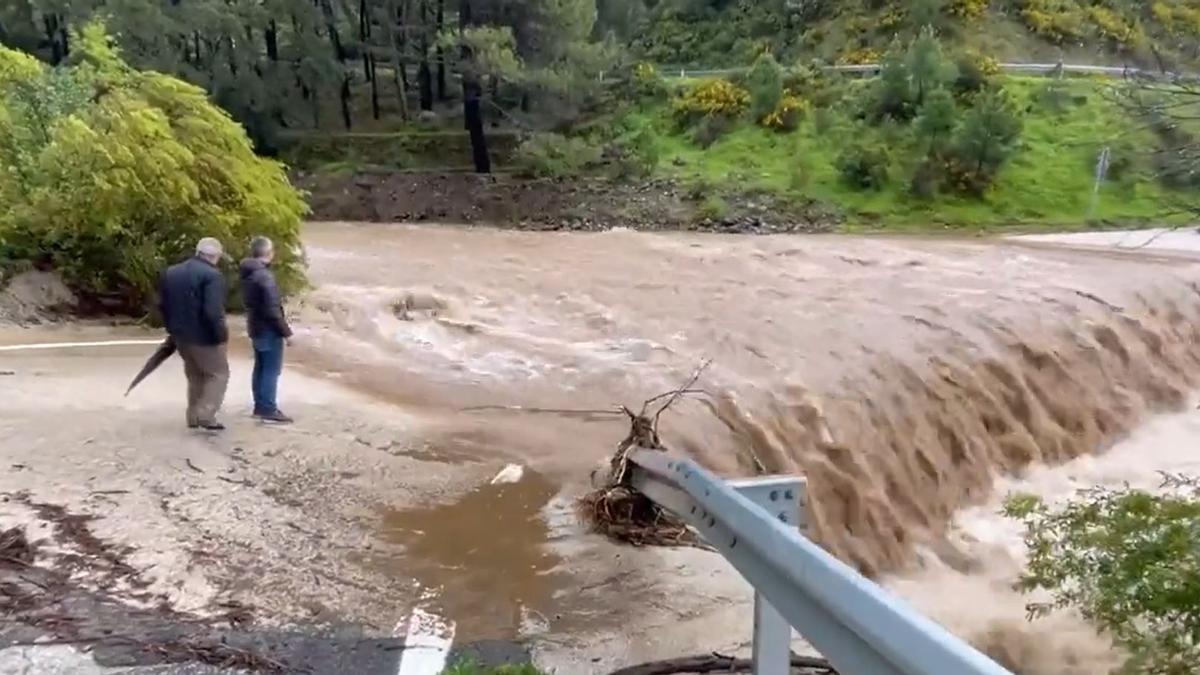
(858,626)
(783,497)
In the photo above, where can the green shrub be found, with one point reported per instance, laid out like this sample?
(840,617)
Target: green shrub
(892,95)
(765,83)
(111,174)
(936,121)
(864,166)
(712,208)
(1128,561)
(710,130)
(549,155)
(634,154)
(974,73)
(985,140)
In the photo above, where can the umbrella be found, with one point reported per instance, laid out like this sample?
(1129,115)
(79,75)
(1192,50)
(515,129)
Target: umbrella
(164,352)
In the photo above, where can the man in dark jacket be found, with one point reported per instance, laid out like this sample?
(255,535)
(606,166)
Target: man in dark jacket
(192,302)
(269,329)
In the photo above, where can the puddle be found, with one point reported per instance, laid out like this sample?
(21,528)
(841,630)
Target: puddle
(484,558)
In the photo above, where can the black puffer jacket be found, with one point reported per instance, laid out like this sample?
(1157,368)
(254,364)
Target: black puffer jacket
(264,307)
(191,297)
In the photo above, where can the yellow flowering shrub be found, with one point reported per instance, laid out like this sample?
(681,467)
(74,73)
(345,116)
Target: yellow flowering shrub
(710,98)
(1177,19)
(1056,20)
(1112,26)
(786,116)
(857,57)
(967,9)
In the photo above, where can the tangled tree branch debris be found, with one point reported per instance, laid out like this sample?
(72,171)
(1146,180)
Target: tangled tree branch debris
(15,548)
(620,512)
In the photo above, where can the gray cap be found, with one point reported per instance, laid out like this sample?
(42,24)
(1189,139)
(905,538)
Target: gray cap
(210,248)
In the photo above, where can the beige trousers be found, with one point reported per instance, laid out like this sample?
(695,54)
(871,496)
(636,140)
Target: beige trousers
(207,370)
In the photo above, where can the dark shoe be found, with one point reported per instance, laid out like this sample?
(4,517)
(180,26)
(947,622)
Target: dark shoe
(275,416)
(212,426)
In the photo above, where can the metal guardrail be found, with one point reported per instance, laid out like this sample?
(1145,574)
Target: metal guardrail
(756,525)
(872,68)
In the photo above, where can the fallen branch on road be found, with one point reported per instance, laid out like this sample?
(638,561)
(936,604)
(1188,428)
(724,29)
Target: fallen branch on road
(620,512)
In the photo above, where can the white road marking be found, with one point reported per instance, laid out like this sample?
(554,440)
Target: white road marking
(75,345)
(427,641)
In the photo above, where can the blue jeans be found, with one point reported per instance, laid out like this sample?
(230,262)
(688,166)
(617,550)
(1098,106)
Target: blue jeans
(268,365)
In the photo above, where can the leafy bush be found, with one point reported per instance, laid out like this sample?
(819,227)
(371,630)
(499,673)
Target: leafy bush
(967,9)
(936,121)
(985,140)
(549,155)
(864,166)
(928,69)
(647,82)
(765,82)
(974,73)
(712,208)
(1053,20)
(634,154)
(892,95)
(710,99)
(110,174)
(710,130)
(1128,561)
(811,83)
(786,115)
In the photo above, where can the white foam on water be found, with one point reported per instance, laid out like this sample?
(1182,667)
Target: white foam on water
(511,473)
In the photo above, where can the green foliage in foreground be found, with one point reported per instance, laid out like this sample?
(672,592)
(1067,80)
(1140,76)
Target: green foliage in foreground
(109,173)
(470,668)
(1128,561)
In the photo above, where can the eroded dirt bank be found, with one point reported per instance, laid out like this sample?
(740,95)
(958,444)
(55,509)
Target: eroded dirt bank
(903,377)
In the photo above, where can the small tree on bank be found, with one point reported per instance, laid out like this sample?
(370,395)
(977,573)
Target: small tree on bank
(1128,561)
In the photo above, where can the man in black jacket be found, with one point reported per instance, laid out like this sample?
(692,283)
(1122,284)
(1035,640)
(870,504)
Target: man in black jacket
(192,302)
(269,329)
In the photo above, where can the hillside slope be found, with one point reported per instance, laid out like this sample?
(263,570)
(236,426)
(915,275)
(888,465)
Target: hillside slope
(706,33)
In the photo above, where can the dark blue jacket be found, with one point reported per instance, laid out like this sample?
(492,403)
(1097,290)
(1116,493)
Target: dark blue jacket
(264,307)
(192,300)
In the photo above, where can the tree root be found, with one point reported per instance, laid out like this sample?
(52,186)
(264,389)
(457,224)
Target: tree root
(717,663)
(620,512)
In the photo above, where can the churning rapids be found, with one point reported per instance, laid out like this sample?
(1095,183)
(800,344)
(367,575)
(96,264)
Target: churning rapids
(913,381)
(904,378)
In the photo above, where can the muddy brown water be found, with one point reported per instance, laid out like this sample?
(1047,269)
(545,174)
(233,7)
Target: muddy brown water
(903,377)
(485,554)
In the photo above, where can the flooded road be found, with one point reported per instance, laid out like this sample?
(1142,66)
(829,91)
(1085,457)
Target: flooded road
(907,379)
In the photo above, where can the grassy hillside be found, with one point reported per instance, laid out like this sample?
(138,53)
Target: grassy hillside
(1050,178)
(732,32)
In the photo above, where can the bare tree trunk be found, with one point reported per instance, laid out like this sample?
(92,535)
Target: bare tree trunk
(397,15)
(424,74)
(441,55)
(472,98)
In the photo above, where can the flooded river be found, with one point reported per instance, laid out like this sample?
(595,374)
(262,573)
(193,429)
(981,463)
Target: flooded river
(912,381)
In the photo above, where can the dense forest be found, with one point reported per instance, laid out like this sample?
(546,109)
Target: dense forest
(292,64)
(562,88)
